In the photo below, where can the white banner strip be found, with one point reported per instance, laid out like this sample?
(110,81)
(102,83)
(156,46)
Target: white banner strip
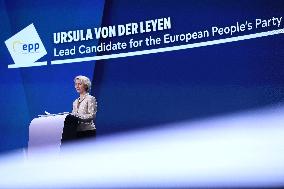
(27,65)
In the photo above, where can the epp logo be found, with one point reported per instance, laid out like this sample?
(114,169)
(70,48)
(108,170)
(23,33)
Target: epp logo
(20,47)
(26,48)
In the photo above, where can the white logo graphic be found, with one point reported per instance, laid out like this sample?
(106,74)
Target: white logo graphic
(26,48)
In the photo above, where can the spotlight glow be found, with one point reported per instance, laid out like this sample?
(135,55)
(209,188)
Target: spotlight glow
(241,150)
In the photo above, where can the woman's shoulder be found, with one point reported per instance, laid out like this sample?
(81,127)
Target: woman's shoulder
(75,101)
(90,97)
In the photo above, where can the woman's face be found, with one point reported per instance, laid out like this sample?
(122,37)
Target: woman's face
(79,86)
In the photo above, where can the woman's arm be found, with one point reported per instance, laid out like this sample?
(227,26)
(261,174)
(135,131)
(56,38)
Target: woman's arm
(74,109)
(91,111)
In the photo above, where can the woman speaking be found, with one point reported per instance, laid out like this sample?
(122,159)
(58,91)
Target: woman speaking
(80,123)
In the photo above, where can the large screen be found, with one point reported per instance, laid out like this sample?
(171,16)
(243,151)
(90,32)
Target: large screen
(167,61)
(151,63)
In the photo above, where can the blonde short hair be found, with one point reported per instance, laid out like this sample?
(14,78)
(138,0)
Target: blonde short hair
(85,81)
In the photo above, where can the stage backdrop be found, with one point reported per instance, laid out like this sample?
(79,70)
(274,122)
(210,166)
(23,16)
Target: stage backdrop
(154,89)
(151,62)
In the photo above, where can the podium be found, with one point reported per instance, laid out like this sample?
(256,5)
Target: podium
(45,134)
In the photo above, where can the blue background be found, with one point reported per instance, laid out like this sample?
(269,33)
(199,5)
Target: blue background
(28,92)
(151,90)
(143,91)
